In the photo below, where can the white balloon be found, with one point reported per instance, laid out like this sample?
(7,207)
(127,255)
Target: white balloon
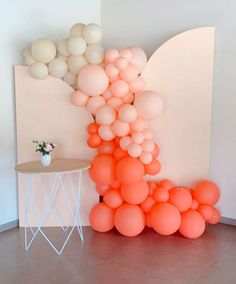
(92,33)
(29,60)
(75,63)
(76,45)
(38,70)
(62,57)
(77,29)
(70,78)
(25,52)
(57,68)
(43,50)
(94,54)
(62,47)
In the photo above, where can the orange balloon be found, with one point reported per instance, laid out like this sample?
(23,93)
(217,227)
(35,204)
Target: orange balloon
(129,170)
(129,220)
(106,147)
(156,151)
(195,204)
(101,218)
(135,193)
(216,216)
(153,168)
(116,184)
(192,224)
(180,198)
(102,169)
(151,186)
(119,154)
(117,140)
(165,218)
(102,189)
(94,140)
(148,221)
(166,183)
(161,194)
(147,204)
(113,198)
(206,192)
(206,211)
(92,128)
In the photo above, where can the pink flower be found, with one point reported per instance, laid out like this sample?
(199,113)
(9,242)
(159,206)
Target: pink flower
(48,148)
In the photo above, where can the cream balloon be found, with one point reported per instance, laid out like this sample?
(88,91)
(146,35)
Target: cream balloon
(38,70)
(29,60)
(57,68)
(75,63)
(70,78)
(25,52)
(92,33)
(43,50)
(77,29)
(62,47)
(76,45)
(94,54)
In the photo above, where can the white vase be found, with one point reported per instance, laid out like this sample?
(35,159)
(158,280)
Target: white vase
(46,160)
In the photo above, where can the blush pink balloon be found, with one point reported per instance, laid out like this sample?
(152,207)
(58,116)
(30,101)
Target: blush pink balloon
(106,133)
(129,74)
(120,128)
(94,103)
(134,150)
(107,94)
(137,137)
(78,98)
(148,145)
(119,88)
(105,115)
(139,125)
(111,55)
(121,63)
(149,105)
(124,142)
(139,58)
(127,54)
(146,157)
(92,80)
(113,79)
(147,134)
(137,85)
(111,70)
(127,113)
(115,102)
(128,99)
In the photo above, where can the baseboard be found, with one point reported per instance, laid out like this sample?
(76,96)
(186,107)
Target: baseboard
(9,225)
(228,221)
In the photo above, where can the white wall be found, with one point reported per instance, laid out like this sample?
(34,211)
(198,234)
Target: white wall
(149,23)
(21,22)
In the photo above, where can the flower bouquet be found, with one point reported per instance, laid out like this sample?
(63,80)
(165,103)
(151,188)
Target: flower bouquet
(45,148)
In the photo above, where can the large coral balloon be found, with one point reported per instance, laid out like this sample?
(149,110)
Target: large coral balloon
(206,192)
(101,218)
(181,198)
(135,193)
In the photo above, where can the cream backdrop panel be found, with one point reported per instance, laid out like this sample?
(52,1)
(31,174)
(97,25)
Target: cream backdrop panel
(181,70)
(44,111)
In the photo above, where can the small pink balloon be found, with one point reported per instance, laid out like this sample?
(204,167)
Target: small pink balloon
(137,85)
(139,58)
(127,54)
(128,99)
(139,125)
(129,74)
(107,94)
(137,137)
(115,102)
(111,70)
(147,134)
(121,63)
(105,115)
(106,133)
(120,128)
(111,55)
(124,142)
(92,80)
(113,79)
(146,157)
(134,150)
(119,88)
(94,103)
(148,145)
(127,113)
(78,98)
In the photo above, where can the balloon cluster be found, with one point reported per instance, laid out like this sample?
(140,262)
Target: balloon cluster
(65,59)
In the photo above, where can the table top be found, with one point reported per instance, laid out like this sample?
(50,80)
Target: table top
(57,166)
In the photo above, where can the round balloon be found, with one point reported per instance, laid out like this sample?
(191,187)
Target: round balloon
(57,68)
(206,192)
(43,50)
(38,70)
(180,198)
(113,198)
(135,193)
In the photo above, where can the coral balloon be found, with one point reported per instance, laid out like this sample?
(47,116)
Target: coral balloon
(94,140)
(94,103)
(129,170)
(92,128)
(206,192)
(195,204)
(165,218)
(135,193)
(119,88)
(129,220)
(127,113)
(166,183)
(106,147)
(92,80)
(102,169)
(206,211)
(106,133)
(139,125)
(78,98)
(152,186)
(119,154)
(192,224)
(153,168)
(101,218)
(139,58)
(216,216)
(180,198)
(156,151)
(160,194)
(113,198)
(147,204)
(102,189)
(105,115)
(148,221)
(120,128)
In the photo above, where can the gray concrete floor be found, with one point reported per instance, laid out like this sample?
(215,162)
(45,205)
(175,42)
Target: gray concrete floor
(111,258)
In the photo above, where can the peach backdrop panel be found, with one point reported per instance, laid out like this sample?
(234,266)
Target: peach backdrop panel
(44,111)
(181,70)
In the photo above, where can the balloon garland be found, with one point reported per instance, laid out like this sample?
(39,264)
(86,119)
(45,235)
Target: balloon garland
(109,85)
